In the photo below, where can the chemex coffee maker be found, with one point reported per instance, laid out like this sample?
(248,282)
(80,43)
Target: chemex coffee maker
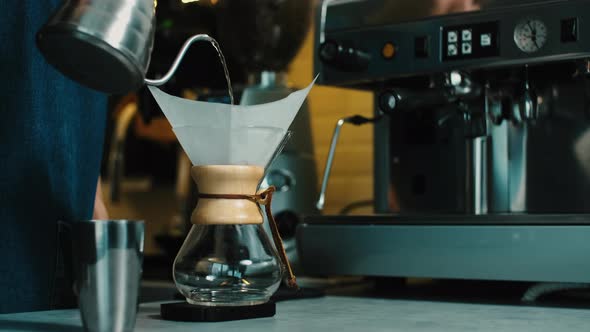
(482,147)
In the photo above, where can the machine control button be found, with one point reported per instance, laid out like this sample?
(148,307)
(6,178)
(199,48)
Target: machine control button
(466,35)
(466,48)
(569,30)
(452,50)
(388,51)
(485,39)
(421,47)
(452,36)
(474,41)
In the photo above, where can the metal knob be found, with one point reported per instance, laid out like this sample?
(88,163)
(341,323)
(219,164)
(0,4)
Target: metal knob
(526,109)
(528,105)
(388,101)
(399,99)
(343,57)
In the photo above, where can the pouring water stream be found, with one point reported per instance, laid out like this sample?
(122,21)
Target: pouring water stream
(183,50)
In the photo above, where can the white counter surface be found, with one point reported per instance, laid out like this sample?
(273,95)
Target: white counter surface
(342,314)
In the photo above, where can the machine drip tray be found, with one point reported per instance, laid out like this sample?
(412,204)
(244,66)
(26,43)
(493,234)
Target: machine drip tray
(450,219)
(515,247)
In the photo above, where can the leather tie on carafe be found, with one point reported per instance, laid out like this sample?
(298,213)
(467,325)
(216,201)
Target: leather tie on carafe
(264,198)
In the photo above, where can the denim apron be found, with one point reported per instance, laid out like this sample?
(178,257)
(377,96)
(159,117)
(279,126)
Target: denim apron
(51,139)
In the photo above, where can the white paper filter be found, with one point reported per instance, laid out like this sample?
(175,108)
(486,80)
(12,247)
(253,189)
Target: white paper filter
(223,134)
(244,146)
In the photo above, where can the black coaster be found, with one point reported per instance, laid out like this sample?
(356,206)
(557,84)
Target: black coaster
(183,311)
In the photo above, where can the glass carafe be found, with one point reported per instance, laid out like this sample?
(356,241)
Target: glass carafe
(227,265)
(227,258)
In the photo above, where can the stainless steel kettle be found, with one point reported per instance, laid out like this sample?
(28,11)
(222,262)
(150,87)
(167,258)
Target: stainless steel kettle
(105,44)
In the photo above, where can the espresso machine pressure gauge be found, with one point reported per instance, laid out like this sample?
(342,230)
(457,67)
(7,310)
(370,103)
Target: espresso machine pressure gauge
(530,35)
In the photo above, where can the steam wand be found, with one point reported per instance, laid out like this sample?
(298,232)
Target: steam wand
(356,120)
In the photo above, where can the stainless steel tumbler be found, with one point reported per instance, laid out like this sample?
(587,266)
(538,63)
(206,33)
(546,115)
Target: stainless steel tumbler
(108,257)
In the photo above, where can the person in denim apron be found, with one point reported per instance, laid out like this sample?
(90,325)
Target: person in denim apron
(51,138)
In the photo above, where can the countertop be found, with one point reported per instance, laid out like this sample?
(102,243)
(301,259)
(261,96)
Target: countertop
(342,314)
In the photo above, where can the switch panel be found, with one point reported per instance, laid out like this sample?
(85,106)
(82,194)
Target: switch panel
(470,41)
(421,49)
(569,30)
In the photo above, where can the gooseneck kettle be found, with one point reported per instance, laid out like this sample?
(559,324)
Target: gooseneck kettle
(105,45)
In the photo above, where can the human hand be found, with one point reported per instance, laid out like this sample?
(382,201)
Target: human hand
(100,210)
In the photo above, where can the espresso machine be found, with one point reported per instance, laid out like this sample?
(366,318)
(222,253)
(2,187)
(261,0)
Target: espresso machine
(482,143)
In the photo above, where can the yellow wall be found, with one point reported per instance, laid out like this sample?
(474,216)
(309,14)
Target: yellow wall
(352,172)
